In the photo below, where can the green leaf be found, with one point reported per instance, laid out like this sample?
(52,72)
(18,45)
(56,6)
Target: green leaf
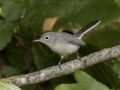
(85,11)
(8,71)
(2,1)
(12,11)
(103,72)
(72,13)
(118,2)
(116,66)
(6,32)
(84,82)
(8,86)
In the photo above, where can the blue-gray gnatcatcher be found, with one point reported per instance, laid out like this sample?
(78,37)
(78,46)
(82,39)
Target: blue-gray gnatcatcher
(65,43)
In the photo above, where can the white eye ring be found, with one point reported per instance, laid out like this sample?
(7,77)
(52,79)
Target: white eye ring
(46,37)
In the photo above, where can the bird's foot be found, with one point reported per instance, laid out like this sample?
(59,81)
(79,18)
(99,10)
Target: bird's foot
(59,64)
(79,58)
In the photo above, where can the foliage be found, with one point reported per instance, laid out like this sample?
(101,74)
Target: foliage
(84,82)
(7,86)
(22,21)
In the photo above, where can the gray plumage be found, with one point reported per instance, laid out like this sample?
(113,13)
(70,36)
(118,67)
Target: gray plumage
(65,43)
(61,43)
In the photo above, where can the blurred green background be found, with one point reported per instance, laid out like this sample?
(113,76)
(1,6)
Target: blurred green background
(22,21)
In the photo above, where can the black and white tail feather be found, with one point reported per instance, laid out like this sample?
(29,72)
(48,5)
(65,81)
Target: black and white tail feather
(85,29)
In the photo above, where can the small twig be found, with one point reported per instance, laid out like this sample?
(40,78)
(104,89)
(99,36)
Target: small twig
(67,68)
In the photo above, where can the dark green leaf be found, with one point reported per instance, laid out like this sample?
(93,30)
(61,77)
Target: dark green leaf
(6,32)
(8,71)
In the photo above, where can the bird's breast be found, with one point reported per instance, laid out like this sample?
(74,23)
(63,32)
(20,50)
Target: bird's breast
(65,49)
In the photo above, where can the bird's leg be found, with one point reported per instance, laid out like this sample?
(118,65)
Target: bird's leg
(78,57)
(59,64)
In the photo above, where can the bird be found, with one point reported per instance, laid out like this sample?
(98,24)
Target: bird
(64,43)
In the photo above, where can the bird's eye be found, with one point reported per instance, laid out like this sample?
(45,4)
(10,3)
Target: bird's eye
(46,37)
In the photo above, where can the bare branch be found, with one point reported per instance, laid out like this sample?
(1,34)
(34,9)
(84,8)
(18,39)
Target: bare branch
(67,68)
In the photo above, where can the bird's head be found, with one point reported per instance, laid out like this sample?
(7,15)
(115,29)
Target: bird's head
(48,38)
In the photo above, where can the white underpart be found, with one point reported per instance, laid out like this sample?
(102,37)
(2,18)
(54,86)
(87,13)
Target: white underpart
(65,49)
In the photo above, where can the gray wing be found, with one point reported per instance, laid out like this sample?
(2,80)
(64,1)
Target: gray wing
(76,41)
(71,39)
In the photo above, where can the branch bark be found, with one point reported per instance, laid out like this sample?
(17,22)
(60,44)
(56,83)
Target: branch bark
(67,68)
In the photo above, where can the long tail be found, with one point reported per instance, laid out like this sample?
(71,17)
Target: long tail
(85,29)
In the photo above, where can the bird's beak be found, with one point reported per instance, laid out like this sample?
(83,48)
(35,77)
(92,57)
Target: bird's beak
(38,40)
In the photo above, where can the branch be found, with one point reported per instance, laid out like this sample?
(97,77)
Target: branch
(67,68)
